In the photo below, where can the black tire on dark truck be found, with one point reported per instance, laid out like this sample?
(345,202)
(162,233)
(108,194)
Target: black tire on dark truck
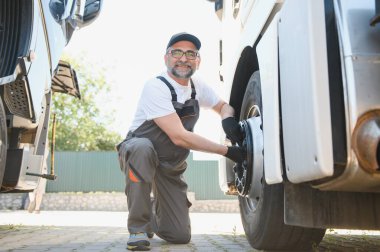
(263,217)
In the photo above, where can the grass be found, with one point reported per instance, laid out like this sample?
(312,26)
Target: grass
(11,227)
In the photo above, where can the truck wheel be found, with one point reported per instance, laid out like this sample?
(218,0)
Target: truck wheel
(3,142)
(263,216)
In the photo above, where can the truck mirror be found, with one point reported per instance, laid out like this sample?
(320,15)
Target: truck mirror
(65,80)
(60,9)
(89,10)
(376,18)
(218,8)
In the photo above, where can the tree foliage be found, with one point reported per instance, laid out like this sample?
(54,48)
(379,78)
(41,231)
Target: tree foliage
(79,124)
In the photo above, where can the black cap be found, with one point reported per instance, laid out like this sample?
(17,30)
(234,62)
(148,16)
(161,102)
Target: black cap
(183,36)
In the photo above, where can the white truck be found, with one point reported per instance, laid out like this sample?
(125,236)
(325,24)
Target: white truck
(33,34)
(304,79)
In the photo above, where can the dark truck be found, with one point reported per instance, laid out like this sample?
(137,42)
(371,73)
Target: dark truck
(33,34)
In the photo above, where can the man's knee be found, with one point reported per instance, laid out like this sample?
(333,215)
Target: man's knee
(176,237)
(144,148)
(138,149)
(182,238)
(139,160)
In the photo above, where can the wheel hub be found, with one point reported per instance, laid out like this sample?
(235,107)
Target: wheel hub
(249,174)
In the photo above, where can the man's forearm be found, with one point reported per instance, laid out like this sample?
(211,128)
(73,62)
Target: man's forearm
(190,140)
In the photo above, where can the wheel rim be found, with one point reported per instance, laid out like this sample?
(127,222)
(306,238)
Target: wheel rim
(253,166)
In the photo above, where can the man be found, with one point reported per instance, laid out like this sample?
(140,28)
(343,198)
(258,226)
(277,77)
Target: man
(153,155)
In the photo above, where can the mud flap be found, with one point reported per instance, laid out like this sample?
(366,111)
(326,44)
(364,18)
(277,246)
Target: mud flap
(308,207)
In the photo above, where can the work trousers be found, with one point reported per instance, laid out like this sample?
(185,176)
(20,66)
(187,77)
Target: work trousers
(167,214)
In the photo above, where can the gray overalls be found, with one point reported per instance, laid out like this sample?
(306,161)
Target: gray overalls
(151,162)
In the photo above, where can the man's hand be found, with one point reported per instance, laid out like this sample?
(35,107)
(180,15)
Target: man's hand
(236,154)
(233,130)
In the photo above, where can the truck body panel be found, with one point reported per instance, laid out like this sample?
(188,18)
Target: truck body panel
(233,38)
(267,51)
(305,91)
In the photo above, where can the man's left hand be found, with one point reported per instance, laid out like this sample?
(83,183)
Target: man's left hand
(236,154)
(233,130)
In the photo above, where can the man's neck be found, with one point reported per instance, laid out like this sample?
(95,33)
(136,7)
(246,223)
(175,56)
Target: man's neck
(183,82)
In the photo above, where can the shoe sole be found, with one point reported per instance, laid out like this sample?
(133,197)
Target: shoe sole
(138,248)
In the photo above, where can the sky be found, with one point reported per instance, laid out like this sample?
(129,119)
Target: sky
(129,39)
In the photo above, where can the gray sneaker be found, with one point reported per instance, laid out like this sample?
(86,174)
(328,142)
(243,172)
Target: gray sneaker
(138,242)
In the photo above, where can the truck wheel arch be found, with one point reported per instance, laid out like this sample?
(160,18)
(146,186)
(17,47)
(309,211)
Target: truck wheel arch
(247,65)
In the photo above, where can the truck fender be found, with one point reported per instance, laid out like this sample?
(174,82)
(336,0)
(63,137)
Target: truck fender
(267,52)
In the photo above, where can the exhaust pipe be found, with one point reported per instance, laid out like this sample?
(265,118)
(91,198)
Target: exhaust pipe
(365,141)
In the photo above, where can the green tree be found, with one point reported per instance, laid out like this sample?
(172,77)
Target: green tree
(79,125)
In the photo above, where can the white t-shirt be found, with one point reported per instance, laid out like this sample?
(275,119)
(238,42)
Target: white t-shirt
(156,99)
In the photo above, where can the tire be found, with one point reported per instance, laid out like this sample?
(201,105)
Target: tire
(3,142)
(263,217)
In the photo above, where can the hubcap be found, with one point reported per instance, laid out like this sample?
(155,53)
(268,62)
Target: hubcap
(249,175)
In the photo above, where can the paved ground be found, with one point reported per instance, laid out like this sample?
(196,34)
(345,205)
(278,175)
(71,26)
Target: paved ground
(106,231)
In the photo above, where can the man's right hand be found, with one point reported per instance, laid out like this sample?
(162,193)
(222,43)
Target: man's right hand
(233,130)
(236,154)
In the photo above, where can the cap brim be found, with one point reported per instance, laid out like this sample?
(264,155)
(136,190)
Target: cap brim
(185,37)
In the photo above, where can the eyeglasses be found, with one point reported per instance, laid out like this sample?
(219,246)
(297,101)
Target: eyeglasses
(178,53)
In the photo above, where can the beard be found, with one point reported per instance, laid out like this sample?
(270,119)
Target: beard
(180,72)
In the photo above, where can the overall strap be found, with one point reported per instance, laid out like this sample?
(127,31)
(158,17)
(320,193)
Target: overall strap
(172,91)
(193,92)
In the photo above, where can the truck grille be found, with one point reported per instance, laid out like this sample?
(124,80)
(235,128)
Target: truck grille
(15,30)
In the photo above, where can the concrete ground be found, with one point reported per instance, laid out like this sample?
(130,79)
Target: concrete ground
(106,231)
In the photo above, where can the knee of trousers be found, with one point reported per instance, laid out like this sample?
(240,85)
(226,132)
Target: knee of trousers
(141,158)
(177,237)
(143,147)
(182,238)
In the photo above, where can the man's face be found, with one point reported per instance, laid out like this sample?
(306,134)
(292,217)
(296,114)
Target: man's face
(182,59)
